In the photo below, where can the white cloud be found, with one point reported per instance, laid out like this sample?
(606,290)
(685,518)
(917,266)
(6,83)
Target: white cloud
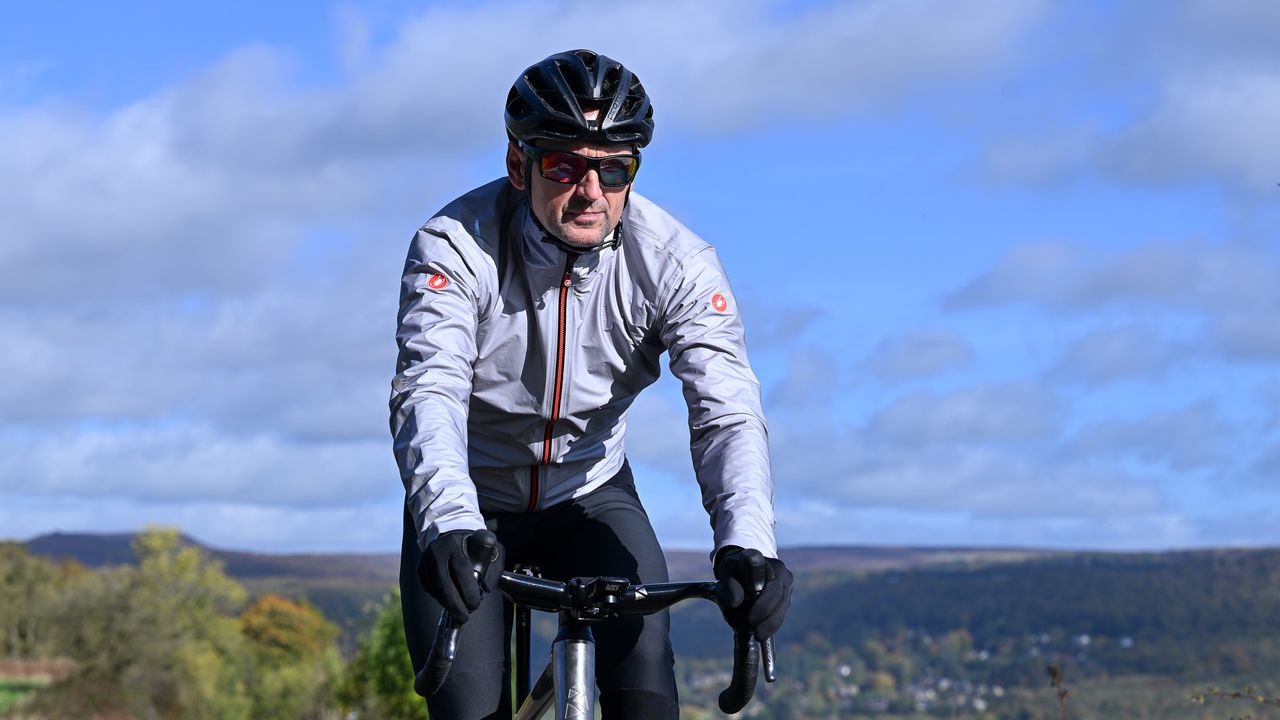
(1249,336)
(369,526)
(813,376)
(1144,302)
(1220,34)
(1113,354)
(1013,412)
(919,354)
(207,185)
(1185,439)
(97,211)
(983,452)
(1043,272)
(1237,526)
(1042,162)
(771,325)
(183,339)
(826,524)
(744,63)
(1184,94)
(146,274)
(312,361)
(1210,127)
(1218,126)
(1180,276)
(193,464)
(739,64)
(978,481)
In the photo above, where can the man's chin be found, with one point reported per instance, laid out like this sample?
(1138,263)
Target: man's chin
(583,238)
(584,243)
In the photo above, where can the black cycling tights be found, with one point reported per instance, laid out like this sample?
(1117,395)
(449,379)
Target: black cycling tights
(604,533)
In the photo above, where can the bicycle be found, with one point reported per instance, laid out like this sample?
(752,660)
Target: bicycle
(569,678)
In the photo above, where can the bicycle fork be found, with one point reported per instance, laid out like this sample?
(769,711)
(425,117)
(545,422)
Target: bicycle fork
(571,674)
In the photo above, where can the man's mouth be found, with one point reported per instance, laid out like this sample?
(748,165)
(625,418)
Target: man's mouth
(587,215)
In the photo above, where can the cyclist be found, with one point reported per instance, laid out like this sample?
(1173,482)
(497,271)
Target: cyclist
(533,310)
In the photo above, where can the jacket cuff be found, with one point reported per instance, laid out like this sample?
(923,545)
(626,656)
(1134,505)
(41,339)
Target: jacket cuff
(431,524)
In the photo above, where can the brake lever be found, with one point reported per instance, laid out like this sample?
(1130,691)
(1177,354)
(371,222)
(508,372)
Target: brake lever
(482,549)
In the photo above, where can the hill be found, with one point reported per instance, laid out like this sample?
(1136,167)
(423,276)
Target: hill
(1212,612)
(880,629)
(343,586)
(98,550)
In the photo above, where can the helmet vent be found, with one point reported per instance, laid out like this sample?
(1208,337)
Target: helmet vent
(547,101)
(610,84)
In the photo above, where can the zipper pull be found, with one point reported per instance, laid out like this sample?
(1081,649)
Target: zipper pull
(568,270)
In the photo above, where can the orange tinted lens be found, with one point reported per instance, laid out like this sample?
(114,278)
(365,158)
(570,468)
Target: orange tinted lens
(563,167)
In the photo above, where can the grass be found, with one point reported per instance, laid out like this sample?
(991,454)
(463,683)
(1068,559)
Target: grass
(13,690)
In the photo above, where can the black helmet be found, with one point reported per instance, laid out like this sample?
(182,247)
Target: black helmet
(547,100)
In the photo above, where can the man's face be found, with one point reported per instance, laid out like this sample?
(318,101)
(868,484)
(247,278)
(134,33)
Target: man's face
(581,214)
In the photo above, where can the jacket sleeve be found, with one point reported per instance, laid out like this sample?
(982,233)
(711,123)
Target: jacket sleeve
(436,336)
(728,438)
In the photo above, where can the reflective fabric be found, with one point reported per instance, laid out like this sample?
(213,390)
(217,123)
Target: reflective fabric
(488,331)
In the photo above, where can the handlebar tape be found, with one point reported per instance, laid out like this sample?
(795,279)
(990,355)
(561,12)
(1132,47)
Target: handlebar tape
(746,664)
(747,656)
(481,548)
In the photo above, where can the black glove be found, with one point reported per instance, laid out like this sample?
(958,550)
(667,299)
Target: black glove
(753,590)
(447,573)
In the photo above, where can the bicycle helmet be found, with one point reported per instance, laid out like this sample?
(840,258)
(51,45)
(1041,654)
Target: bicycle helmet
(548,99)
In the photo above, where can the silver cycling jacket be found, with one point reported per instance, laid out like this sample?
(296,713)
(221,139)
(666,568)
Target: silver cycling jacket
(518,362)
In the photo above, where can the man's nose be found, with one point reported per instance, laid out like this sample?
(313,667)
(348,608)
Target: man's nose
(589,186)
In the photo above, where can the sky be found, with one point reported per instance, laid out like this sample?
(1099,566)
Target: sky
(1010,269)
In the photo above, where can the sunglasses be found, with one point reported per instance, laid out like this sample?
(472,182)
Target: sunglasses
(566,167)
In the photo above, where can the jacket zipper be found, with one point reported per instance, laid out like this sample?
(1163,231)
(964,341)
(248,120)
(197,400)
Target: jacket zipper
(558,385)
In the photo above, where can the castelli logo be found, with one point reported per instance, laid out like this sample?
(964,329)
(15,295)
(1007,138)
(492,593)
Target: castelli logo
(437,282)
(719,302)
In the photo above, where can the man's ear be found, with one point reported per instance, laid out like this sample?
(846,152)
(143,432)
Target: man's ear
(515,166)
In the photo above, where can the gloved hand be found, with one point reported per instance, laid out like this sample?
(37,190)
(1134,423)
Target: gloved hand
(447,573)
(753,590)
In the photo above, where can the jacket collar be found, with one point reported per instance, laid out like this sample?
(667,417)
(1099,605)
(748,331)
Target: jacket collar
(541,249)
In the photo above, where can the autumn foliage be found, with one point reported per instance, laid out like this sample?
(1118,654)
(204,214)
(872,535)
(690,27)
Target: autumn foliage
(172,638)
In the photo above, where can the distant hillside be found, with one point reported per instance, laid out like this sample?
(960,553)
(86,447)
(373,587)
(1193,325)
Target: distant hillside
(95,550)
(98,550)
(686,565)
(1201,613)
(343,586)
(87,549)
(899,624)
(1164,613)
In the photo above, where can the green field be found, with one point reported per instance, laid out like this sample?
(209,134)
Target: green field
(14,689)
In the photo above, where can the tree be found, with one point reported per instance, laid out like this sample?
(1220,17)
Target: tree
(159,640)
(29,586)
(379,679)
(293,658)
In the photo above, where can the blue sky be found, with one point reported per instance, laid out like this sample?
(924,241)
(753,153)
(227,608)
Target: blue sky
(1010,269)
